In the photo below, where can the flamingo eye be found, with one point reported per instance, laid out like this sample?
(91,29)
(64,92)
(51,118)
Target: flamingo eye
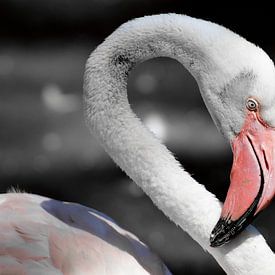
(252,104)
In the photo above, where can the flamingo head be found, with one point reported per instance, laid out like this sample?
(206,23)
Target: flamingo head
(244,110)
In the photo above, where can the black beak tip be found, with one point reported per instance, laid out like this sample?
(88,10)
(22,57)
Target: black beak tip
(215,241)
(227,229)
(222,233)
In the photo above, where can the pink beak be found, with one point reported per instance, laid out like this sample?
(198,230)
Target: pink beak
(252,184)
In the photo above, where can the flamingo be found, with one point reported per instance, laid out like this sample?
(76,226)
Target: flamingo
(40,235)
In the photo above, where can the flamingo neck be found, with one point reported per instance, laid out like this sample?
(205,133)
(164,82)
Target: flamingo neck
(132,146)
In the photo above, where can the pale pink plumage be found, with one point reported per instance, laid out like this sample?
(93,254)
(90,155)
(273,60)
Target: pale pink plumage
(44,236)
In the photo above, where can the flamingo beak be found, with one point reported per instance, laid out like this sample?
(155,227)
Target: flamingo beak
(252,179)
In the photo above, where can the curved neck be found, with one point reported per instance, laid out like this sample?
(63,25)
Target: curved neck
(132,146)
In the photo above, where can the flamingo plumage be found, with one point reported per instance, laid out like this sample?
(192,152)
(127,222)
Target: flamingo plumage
(40,235)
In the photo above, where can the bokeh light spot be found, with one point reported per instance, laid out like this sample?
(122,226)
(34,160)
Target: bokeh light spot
(55,100)
(156,124)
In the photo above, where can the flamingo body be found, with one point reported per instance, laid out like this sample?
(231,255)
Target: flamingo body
(44,236)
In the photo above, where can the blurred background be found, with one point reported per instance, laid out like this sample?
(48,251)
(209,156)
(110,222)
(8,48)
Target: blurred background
(45,147)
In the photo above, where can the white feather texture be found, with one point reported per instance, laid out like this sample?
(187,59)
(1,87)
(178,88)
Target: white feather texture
(227,69)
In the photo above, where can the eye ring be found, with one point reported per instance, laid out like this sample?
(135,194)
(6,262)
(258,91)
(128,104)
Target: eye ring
(252,104)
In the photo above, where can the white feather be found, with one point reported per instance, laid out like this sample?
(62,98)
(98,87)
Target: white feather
(227,69)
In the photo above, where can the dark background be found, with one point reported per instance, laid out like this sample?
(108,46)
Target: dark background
(45,147)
